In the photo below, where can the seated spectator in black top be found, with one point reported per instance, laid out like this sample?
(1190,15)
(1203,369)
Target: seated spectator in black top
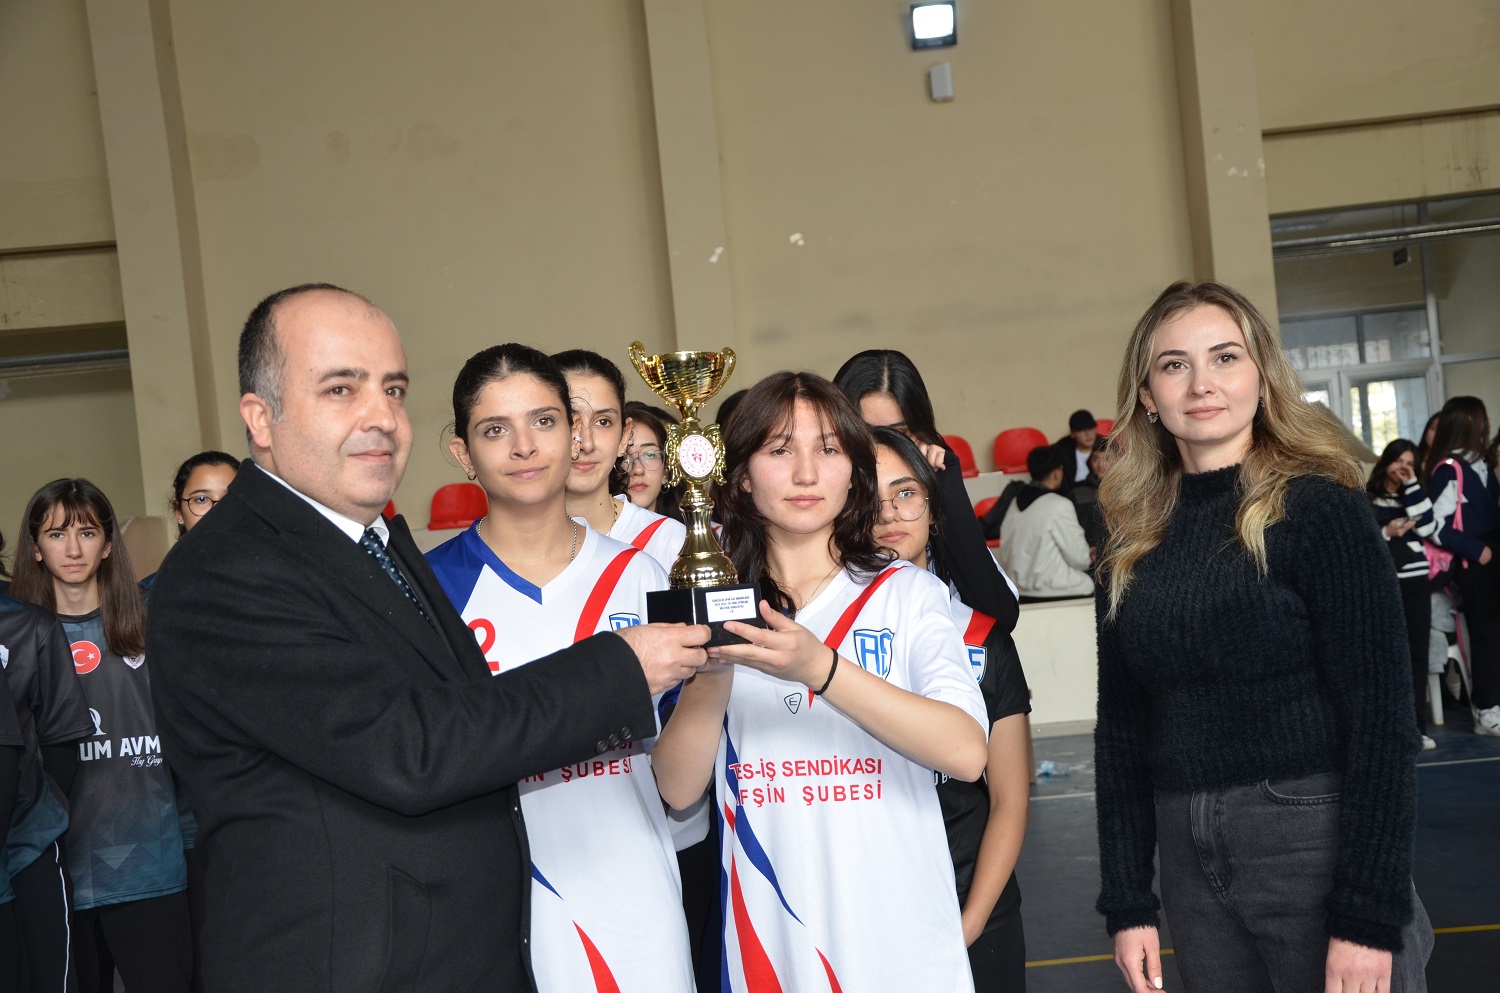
(1085,496)
(1042,546)
(1076,448)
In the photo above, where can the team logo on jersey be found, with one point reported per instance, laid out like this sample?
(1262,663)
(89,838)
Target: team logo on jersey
(978,657)
(793,702)
(619,621)
(85,657)
(98,727)
(872,650)
(4,657)
(135,661)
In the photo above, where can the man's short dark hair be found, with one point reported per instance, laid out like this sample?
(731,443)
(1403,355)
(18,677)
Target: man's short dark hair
(1041,460)
(1082,420)
(262,363)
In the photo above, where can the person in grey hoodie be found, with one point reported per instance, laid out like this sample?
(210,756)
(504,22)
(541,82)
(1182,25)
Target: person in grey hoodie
(1042,545)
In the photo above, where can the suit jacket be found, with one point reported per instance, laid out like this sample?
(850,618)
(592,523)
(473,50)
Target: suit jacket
(351,765)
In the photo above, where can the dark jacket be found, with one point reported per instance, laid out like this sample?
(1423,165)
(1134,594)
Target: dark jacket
(1481,510)
(351,765)
(968,558)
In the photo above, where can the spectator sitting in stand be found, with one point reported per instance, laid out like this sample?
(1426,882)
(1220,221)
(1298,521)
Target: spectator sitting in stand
(1085,496)
(1042,546)
(1076,448)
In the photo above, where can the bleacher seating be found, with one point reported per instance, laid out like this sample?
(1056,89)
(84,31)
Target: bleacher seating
(1013,445)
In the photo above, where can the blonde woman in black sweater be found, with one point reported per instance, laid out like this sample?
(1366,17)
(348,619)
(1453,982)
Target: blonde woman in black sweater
(1255,697)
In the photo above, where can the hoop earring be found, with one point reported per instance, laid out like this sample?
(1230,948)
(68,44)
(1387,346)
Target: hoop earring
(472,474)
(1151,416)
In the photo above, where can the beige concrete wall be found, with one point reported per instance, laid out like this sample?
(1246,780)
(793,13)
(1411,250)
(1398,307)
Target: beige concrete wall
(1007,240)
(485,172)
(491,171)
(1332,63)
(59,276)
(69,425)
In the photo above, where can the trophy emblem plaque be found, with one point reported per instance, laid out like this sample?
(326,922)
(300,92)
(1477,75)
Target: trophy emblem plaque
(704,587)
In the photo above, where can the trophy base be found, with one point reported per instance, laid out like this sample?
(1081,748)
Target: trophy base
(711,605)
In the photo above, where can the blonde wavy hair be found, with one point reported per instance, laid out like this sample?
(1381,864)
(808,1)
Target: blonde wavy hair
(1290,438)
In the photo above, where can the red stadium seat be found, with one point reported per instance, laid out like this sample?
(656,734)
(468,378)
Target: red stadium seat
(966,463)
(456,506)
(983,507)
(389,513)
(1013,445)
(1104,426)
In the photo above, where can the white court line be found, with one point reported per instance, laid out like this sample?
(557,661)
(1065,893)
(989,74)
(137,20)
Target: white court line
(1063,796)
(1429,765)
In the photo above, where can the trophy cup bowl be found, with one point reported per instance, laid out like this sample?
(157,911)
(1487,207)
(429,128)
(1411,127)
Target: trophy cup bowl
(686,380)
(704,584)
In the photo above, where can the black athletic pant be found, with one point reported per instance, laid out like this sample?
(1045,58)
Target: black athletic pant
(1479,585)
(1416,598)
(150,941)
(998,959)
(10,940)
(44,901)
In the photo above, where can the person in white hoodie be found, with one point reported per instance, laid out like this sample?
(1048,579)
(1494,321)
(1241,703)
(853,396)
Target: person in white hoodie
(1042,545)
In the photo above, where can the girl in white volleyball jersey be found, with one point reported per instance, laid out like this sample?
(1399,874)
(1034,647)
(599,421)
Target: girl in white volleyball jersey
(597,392)
(605,899)
(830,724)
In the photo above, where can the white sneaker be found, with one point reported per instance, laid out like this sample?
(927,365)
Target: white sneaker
(1488,722)
(1428,744)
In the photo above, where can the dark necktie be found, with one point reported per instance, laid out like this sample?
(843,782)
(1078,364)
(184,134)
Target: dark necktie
(371,543)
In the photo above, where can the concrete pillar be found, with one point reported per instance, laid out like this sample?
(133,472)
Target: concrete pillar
(687,141)
(151,194)
(1221,137)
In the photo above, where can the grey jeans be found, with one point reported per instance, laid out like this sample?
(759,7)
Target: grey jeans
(1245,872)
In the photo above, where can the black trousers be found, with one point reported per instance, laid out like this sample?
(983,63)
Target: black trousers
(44,903)
(998,959)
(1416,598)
(149,940)
(1479,585)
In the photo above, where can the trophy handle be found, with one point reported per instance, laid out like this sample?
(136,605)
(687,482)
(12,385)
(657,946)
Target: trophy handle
(729,360)
(638,359)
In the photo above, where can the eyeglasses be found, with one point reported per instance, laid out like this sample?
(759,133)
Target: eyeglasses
(198,504)
(651,460)
(907,505)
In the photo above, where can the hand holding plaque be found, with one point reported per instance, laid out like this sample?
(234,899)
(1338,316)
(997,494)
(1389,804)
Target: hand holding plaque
(704,585)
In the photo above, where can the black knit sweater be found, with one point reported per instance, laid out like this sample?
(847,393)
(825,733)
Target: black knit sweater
(1214,676)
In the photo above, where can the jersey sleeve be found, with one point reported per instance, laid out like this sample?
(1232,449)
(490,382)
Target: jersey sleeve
(934,645)
(1004,683)
(62,713)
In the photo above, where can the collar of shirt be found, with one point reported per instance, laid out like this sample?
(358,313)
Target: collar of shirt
(351,527)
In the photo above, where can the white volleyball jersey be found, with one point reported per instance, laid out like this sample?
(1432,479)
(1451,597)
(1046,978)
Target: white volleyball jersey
(659,537)
(606,900)
(833,848)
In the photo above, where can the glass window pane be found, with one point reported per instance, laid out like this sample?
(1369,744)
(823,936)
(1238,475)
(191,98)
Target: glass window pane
(1321,342)
(1400,334)
(1398,409)
(1317,394)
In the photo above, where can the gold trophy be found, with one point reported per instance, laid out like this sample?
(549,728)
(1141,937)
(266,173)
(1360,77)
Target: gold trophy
(705,587)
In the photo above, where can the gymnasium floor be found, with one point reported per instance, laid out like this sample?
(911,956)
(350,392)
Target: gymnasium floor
(1457,868)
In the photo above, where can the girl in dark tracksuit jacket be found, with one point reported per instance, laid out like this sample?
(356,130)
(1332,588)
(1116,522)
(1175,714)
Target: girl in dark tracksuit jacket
(1460,463)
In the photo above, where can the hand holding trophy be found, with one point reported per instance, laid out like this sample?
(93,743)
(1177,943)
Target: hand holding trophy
(704,585)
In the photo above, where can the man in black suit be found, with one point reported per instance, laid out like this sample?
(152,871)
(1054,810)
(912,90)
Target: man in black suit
(349,757)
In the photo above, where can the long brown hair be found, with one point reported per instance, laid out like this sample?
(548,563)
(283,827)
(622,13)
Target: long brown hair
(766,413)
(1289,439)
(1463,426)
(120,604)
